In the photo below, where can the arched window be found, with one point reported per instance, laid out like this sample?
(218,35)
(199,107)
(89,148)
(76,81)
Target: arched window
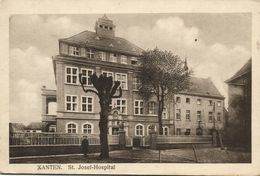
(149,128)
(87,128)
(71,127)
(166,130)
(139,130)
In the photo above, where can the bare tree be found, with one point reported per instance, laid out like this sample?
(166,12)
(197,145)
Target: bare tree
(162,74)
(105,90)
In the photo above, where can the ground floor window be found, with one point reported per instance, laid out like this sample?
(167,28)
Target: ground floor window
(139,130)
(87,128)
(199,131)
(178,131)
(166,131)
(187,132)
(115,130)
(71,128)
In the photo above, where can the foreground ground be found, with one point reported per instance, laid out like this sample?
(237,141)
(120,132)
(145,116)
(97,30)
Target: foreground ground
(201,155)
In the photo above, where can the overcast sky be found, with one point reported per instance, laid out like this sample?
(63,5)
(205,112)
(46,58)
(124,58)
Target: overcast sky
(223,46)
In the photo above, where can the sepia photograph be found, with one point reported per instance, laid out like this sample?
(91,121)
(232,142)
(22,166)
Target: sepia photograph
(162,87)
(130,88)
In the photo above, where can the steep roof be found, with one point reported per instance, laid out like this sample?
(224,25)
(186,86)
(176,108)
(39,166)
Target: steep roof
(116,44)
(244,70)
(203,87)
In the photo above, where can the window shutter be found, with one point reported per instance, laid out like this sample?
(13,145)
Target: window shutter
(64,48)
(83,52)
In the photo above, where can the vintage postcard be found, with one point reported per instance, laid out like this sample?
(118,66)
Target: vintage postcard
(116,87)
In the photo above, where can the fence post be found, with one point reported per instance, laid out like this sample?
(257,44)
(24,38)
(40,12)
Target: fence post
(153,140)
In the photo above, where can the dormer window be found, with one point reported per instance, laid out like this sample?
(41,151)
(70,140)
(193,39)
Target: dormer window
(90,53)
(101,26)
(106,27)
(113,57)
(123,59)
(74,51)
(110,28)
(134,61)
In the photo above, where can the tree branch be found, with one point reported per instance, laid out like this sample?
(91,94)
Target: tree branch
(84,89)
(115,87)
(120,94)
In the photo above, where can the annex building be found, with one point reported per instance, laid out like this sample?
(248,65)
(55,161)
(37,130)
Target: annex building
(194,112)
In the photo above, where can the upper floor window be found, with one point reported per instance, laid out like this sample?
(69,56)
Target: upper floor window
(138,107)
(102,56)
(122,78)
(198,115)
(210,103)
(187,100)
(134,61)
(219,116)
(74,51)
(164,113)
(136,83)
(178,99)
(113,57)
(71,103)
(210,116)
(187,114)
(87,104)
(121,105)
(123,59)
(71,127)
(86,73)
(218,103)
(178,114)
(151,107)
(198,101)
(71,75)
(90,53)
(108,74)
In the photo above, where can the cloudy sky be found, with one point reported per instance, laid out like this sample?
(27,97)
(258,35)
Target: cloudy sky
(223,46)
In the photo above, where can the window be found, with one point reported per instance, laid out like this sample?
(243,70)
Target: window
(178,114)
(108,74)
(187,132)
(149,129)
(115,130)
(210,116)
(178,131)
(138,107)
(71,75)
(136,83)
(71,127)
(151,108)
(85,76)
(87,128)
(199,131)
(187,114)
(166,131)
(74,51)
(178,99)
(218,116)
(120,104)
(90,53)
(187,100)
(210,103)
(139,130)
(71,103)
(86,104)
(134,61)
(110,28)
(113,57)
(218,103)
(164,113)
(122,78)
(123,59)
(198,115)
(102,56)
(198,101)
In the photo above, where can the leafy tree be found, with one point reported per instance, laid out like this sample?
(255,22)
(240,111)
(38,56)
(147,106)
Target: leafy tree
(162,74)
(105,90)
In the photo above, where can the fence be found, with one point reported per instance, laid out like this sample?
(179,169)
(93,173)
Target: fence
(25,138)
(183,139)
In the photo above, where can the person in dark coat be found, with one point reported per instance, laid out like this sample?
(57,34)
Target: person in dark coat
(84,145)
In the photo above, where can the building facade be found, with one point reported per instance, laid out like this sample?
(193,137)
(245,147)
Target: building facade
(101,52)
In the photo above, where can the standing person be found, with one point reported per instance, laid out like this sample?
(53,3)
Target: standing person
(84,145)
